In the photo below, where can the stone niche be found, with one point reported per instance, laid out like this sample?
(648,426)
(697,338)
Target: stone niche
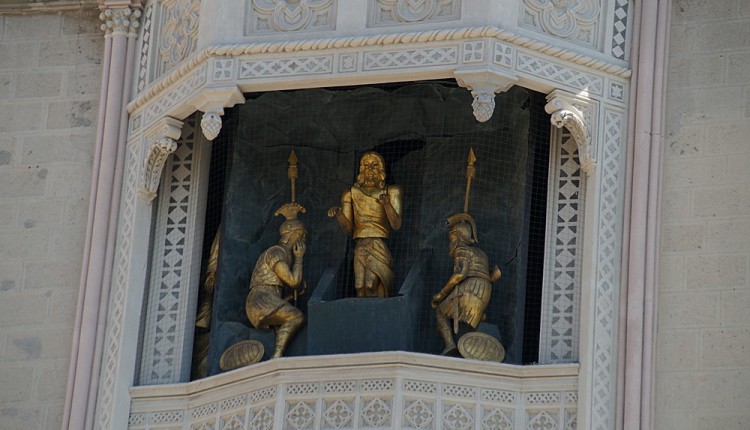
(424,132)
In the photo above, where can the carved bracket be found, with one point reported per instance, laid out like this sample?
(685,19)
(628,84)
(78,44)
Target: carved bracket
(160,143)
(212,101)
(484,83)
(564,114)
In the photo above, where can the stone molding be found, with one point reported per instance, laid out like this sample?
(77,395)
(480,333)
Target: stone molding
(160,144)
(373,390)
(287,47)
(51,6)
(565,114)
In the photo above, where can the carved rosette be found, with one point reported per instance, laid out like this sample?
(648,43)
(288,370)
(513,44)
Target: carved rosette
(180,31)
(211,125)
(293,15)
(564,114)
(567,19)
(161,142)
(484,84)
(120,20)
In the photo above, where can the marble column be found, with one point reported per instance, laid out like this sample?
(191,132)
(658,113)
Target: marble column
(120,26)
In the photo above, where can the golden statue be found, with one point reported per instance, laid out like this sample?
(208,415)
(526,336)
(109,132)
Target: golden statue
(203,317)
(466,295)
(369,210)
(278,267)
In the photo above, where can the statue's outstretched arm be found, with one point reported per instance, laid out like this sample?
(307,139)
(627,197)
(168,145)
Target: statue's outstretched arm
(344,213)
(391,201)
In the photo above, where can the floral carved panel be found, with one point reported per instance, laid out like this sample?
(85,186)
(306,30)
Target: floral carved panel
(396,12)
(179,32)
(574,20)
(275,16)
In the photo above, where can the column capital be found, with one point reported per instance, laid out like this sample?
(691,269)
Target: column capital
(120,18)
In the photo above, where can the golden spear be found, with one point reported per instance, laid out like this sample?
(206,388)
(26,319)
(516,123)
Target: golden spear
(293,174)
(470,173)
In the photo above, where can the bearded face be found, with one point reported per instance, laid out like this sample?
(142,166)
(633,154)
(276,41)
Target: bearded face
(371,171)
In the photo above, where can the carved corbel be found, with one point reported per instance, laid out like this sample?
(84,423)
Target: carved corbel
(564,114)
(161,142)
(212,101)
(484,84)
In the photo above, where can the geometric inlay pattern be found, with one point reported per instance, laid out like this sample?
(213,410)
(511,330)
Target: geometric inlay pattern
(563,75)
(410,58)
(116,314)
(146,36)
(170,281)
(286,67)
(607,274)
(558,340)
(369,404)
(620,28)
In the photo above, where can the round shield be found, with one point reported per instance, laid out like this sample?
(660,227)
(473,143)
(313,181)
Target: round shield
(481,346)
(241,354)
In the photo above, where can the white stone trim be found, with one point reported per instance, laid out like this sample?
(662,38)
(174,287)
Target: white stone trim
(376,390)
(564,114)
(175,269)
(160,145)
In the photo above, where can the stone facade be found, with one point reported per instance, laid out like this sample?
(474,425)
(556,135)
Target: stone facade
(703,338)
(50,67)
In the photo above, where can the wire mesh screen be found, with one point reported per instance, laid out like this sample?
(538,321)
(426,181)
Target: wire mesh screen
(424,132)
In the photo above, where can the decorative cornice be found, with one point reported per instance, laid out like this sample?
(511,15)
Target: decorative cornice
(161,141)
(120,20)
(377,40)
(564,114)
(484,83)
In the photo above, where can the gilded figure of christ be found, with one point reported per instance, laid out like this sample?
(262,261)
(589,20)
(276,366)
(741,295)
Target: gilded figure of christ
(369,211)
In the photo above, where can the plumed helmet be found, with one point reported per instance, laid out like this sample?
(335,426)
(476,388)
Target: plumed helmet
(463,224)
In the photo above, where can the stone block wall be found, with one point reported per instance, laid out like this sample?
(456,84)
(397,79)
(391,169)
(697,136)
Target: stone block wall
(50,67)
(703,339)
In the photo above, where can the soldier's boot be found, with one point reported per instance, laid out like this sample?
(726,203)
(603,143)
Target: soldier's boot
(286,331)
(444,330)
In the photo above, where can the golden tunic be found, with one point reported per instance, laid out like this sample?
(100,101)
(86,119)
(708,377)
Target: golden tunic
(265,287)
(473,293)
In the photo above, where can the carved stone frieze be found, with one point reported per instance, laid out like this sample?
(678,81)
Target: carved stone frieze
(120,20)
(180,32)
(484,84)
(403,395)
(564,114)
(268,16)
(574,20)
(160,144)
(395,12)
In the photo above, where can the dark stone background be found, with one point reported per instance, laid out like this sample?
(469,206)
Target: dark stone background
(424,131)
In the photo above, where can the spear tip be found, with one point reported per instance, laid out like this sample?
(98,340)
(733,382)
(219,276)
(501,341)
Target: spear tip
(472,157)
(292,158)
